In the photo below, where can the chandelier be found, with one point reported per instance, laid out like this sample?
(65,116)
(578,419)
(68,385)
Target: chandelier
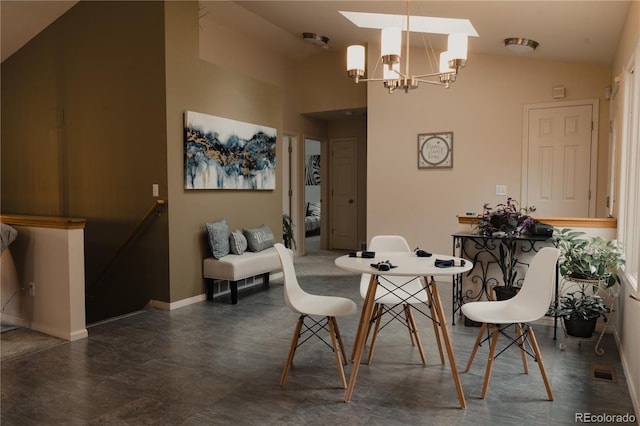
(392,27)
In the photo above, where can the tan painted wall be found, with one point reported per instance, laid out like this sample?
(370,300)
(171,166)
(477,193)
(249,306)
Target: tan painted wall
(84,135)
(196,85)
(484,109)
(312,84)
(324,85)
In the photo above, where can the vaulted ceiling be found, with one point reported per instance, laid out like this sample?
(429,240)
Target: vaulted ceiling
(574,31)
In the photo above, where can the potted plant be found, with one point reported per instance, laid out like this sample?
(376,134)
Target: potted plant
(506,222)
(588,259)
(580,311)
(287,231)
(589,263)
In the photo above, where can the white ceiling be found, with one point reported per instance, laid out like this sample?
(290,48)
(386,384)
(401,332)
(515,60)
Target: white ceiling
(20,21)
(574,31)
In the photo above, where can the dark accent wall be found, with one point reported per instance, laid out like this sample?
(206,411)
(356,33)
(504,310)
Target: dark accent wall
(84,135)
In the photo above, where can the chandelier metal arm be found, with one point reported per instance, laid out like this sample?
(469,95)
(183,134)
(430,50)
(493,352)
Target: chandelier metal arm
(435,83)
(435,74)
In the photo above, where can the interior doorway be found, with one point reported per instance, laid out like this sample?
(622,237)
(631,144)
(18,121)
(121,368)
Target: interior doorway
(559,159)
(344,193)
(312,194)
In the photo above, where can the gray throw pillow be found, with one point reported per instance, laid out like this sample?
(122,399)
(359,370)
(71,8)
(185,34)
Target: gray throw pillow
(237,242)
(259,239)
(218,238)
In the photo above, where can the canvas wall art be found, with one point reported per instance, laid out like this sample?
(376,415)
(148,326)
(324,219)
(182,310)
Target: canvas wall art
(220,153)
(312,171)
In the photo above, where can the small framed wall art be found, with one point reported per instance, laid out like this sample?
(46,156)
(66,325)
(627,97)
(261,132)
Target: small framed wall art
(435,150)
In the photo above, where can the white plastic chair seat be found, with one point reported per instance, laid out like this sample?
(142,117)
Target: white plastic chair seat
(500,312)
(328,306)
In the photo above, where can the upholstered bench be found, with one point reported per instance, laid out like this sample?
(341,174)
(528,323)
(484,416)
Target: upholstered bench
(236,267)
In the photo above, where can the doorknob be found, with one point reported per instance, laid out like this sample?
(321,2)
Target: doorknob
(532,208)
(350,200)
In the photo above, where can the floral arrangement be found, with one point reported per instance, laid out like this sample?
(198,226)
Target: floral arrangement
(505,220)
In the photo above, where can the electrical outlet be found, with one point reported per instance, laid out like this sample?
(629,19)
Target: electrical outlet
(32,289)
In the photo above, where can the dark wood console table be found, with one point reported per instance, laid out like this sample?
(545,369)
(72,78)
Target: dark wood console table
(483,251)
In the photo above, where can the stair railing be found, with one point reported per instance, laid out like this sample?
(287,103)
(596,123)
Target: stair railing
(154,211)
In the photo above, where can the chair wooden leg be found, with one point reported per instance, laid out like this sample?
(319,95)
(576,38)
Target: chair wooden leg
(374,312)
(487,375)
(436,329)
(292,350)
(536,349)
(336,350)
(367,300)
(442,321)
(406,309)
(476,345)
(521,342)
(374,338)
(345,360)
(414,332)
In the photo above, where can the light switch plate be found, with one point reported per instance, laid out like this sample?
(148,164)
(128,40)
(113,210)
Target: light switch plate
(501,189)
(155,190)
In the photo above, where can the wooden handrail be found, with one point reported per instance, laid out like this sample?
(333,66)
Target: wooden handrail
(154,209)
(43,221)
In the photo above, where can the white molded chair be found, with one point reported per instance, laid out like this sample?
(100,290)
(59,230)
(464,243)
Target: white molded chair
(395,292)
(307,304)
(530,304)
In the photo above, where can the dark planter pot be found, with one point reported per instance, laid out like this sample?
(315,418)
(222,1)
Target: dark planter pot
(503,293)
(579,327)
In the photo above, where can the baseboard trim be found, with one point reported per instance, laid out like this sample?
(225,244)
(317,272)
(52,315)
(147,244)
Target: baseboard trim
(170,306)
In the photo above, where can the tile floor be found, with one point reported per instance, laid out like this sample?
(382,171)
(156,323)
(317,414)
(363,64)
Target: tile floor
(213,363)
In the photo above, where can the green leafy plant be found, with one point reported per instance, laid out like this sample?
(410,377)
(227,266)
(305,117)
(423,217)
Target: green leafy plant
(588,259)
(580,304)
(287,231)
(507,262)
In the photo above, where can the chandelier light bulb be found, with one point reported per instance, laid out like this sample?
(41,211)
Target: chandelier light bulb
(355,57)
(391,43)
(457,44)
(444,62)
(391,74)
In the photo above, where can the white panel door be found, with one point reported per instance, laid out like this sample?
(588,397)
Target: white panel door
(558,181)
(343,194)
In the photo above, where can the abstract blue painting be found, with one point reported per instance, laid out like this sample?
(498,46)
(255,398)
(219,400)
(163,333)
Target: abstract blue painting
(220,153)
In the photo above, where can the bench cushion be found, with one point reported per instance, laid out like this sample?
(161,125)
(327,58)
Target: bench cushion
(234,267)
